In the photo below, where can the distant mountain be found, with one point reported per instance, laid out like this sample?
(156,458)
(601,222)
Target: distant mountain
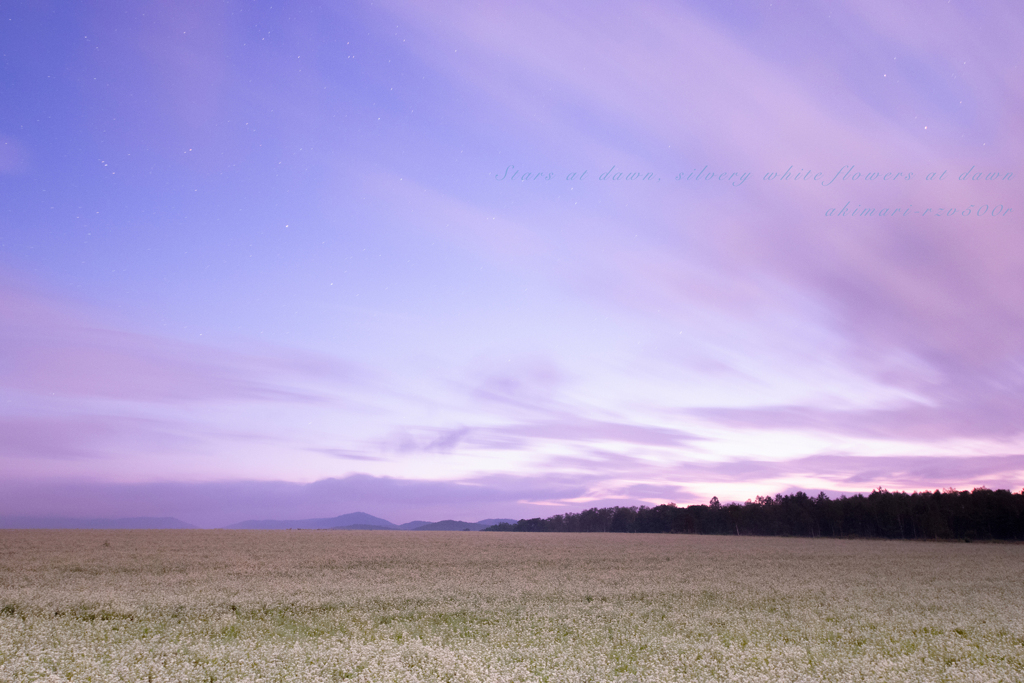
(352,518)
(446,525)
(351,521)
(76,523)
(363,527)
(452,525)
(409,526)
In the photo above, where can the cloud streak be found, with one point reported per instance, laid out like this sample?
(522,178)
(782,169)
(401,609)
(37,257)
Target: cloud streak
(54,350)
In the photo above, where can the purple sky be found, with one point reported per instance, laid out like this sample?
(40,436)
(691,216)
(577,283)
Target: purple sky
(272,261)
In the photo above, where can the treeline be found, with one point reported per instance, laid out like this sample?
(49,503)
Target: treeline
(980,514)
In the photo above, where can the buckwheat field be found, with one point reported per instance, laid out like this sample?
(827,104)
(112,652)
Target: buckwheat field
(472,606)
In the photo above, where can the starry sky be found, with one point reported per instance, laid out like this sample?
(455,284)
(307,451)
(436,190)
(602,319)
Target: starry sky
(467,260)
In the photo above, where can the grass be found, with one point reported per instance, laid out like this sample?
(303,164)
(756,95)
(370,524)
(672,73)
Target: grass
(453,606)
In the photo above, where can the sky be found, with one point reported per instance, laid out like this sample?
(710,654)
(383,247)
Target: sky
(467,260)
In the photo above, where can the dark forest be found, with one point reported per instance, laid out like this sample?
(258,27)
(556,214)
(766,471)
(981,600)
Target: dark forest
(981,514)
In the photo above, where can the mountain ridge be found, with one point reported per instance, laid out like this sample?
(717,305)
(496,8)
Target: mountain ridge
(349,521)
(361,521)
(352,518)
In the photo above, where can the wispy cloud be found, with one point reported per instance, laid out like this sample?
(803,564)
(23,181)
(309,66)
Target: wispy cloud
(348,455)
(588,431)
(80,388)
(998,417)
(52,349)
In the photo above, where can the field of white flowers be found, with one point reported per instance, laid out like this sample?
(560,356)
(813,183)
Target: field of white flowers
(295,606)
